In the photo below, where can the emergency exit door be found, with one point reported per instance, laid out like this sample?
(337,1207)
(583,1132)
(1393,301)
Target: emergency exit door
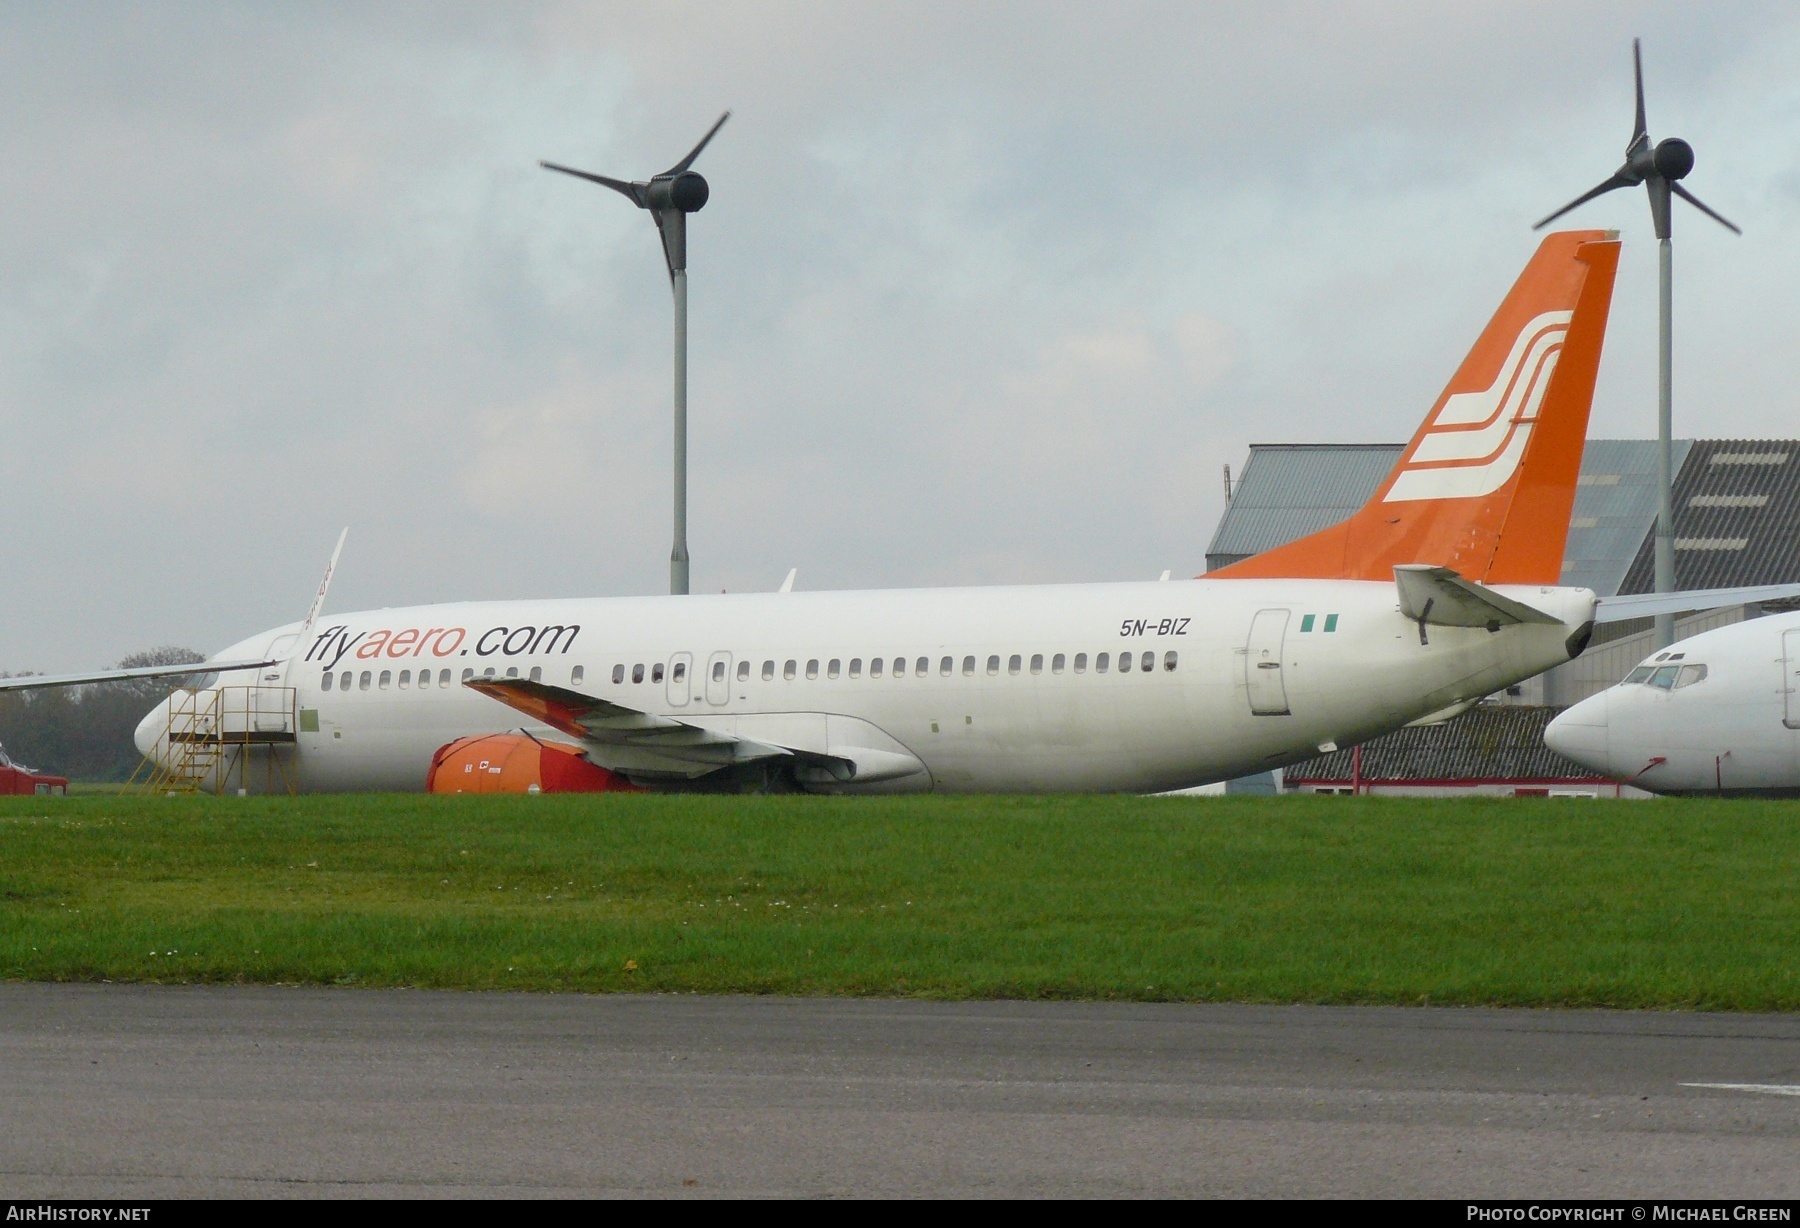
(718,678)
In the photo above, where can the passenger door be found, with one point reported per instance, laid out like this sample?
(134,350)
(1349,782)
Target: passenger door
(1262,664)
(1790,678)
(718,678)
(680,666)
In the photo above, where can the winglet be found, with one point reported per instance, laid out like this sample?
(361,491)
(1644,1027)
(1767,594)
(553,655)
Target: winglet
(312,615)
(787,585)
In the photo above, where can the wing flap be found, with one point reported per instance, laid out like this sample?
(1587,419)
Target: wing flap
(623,739)
(825,749)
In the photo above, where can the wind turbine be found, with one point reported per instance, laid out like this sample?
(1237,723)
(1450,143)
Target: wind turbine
(670,197)
(1660,168)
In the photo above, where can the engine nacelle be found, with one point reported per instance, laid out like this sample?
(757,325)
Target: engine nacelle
(514,763)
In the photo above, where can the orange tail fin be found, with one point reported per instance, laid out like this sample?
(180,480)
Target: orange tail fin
(1487,484)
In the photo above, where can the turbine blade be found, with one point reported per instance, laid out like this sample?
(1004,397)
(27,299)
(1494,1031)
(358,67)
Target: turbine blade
(695,151)
(630,191)
(1640,135)
(1693,200)
(1616,181)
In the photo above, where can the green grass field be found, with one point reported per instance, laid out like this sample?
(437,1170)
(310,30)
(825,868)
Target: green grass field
(1575,903)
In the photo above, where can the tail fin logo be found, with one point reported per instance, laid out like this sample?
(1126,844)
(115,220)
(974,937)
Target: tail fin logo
(1473,445)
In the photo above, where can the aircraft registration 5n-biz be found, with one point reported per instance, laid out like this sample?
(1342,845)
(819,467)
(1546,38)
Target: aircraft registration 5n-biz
(1441,590)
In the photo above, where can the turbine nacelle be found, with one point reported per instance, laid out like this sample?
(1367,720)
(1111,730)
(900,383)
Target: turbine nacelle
(687,192)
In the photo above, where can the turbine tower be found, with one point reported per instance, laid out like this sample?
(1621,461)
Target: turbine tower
(670,197)
(1660,168)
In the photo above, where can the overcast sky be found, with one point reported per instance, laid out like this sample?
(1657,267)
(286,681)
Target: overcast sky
(985,292)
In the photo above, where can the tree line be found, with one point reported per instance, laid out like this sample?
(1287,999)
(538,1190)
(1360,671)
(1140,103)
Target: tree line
(85,732)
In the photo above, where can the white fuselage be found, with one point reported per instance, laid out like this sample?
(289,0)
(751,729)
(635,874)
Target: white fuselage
(1722,717)
(991,689)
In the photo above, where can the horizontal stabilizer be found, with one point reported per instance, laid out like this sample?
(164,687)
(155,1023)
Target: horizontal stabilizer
(1644,605)
(1440,597)
(32,682)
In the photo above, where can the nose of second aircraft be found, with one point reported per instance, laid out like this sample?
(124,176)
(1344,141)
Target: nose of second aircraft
(150,730)
(1582,733)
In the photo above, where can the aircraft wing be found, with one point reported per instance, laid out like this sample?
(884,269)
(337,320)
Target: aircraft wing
(1644,605)
(623,739)
(1439,596)
(32,682)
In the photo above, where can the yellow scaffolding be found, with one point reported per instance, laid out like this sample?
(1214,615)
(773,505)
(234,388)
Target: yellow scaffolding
(224,738)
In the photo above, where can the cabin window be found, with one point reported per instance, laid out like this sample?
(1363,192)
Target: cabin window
(1690,674)
(656,672)
(899,667)
(768,671)
(386,680)
(488,672)
(618,674)
(1640,674)
(576,675)
(1664,677)
(718,671)
(326,684)
(856,667)
(1101,661)
(1056,663)
(537,673)
(1148,664)
(1037,662)
(344,681)
(468,674)
(946,666)
(812,668)
(789,670)
(1014,663)
(405,679)
(1124,663)
(968,666)
(637,673)
(743,671)
(512,671)
(362,683)
(922,666)
(444,677)
(1169,662)
(1081,662)
(875,667)
(679,672)
(833,668)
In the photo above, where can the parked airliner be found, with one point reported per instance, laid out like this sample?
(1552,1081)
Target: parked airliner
(1716,713)
(1442,589)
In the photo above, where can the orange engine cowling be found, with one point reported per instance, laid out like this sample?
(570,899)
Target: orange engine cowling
(514,763)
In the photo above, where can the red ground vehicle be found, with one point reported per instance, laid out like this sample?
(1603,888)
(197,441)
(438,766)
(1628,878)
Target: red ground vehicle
(15,779)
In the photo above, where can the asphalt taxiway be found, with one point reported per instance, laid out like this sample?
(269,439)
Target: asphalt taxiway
(144,1091)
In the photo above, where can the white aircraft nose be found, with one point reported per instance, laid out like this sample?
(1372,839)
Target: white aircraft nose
(150,730)
(1583,733)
